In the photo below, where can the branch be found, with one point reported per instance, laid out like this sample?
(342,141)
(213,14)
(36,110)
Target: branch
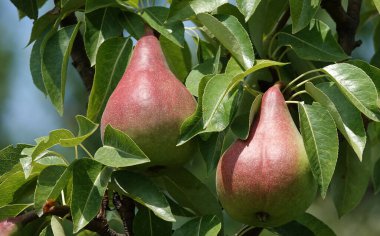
(346,22)
(79,55)
(125,206)
(98,225)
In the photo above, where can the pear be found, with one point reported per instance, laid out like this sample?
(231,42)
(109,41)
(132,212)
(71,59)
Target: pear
(266,180)
(149,104)
(8,227)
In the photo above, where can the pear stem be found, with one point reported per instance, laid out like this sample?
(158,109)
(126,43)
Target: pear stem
(297,94)
(76,152)
(87,152)
(251,91)
(300,77)
(308,80)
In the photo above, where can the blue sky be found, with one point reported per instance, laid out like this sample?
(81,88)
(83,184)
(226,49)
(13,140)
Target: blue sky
(27,112)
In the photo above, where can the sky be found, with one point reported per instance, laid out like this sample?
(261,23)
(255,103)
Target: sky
(28,113)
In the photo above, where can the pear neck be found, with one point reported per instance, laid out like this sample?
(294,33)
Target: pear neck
(148,53)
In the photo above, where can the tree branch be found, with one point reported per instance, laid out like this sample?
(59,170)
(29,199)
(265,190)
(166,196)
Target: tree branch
(346,22)
(98,225)
(126,208)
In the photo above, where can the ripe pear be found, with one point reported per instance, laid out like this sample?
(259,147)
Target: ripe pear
(266,180)
(149,104)
(8,227)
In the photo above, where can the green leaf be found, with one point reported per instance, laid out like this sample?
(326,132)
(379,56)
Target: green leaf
(233,67)
(357,87)
(219,96)
(119,150)
(49,158)
(232,35)
(302,12)
(248,107)
(351,179)
(54,64)
(143,191)
(179,210)
(35,66)
(71,5)
(195,76)
(377,4)
(57,226)
(376,177)
(43,24)
(134,24)
(247,7)
(293,228)
(53,139)
(10,156)
(190,192)
(263,21)
(372,71)
(90,180)
(193,125)
(100,25)
(183,9)
(216,95)
(178,59)
(13,183)
(260,64)
(86,129)
(315,225)
(204,225)
(220,86)
(307,43)
(112,59)
(29,7)
(12,210)
(92,5)
(321,142)
(50,183)
(347,118)
(156,18)
(212,150)
(146,223)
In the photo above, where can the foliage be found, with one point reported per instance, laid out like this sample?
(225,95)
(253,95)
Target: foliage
(227,55)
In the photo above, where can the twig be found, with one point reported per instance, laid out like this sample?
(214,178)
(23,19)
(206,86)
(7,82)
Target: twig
(98,225)
(125,206)
(346,22)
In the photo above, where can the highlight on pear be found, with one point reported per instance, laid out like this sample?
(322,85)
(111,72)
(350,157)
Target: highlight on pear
(266,180)
(150,104)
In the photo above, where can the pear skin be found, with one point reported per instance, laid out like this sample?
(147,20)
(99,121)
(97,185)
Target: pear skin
(150,104)
(266,180)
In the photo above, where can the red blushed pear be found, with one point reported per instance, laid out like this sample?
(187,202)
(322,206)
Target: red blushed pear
(266,180)
(150,104)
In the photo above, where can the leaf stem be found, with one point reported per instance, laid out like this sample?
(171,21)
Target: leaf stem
(76,152)
(292,102)
(297,94)
(283,53)
(63,198)
(250,90)
(308,80)
(87,152)
(271,45)
(300,77)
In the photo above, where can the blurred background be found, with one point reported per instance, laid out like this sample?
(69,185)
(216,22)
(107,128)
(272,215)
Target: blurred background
(26,114)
